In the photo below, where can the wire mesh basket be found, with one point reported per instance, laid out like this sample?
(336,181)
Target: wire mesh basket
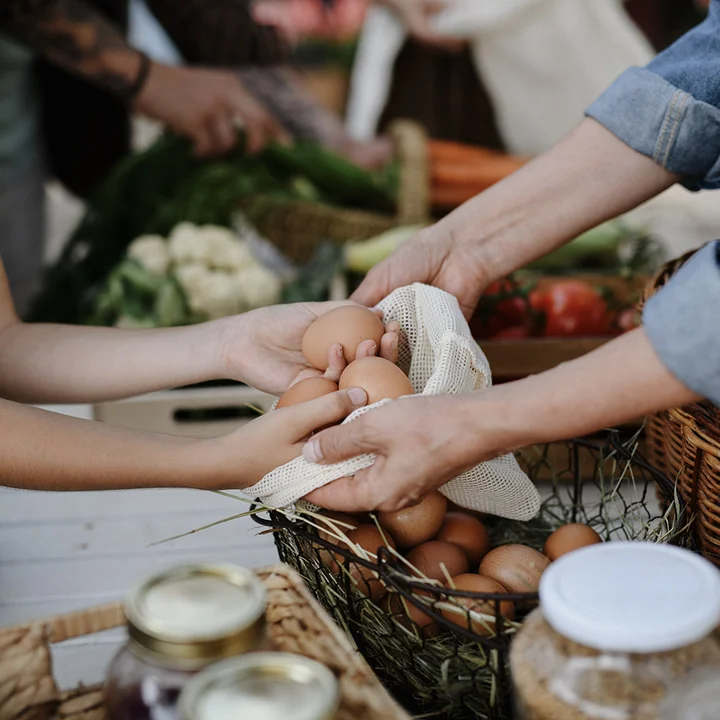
(443,652)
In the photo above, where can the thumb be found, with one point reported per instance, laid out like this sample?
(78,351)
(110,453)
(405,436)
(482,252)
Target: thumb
(374,287)
(339,443)
(327,410)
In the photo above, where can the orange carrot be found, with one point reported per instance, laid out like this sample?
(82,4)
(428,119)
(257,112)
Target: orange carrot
(446,197)
(443,151)
(482,172)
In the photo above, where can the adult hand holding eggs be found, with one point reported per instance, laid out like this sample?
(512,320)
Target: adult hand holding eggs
(264,347)
(415,453)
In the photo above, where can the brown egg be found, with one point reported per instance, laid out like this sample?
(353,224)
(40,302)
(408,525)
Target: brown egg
(334,536)
(429,558)
(414,525)
(516,567)
(568,538)
(378,377)
(341,521)
(458,508)
(409,615)
(370,539)
(476,583)
(468,533)
(348,326)
(305,390)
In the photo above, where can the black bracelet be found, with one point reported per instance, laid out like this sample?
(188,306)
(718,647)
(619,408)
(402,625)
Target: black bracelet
(134,90)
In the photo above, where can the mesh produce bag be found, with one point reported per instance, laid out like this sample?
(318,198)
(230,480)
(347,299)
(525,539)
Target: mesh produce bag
(440,357)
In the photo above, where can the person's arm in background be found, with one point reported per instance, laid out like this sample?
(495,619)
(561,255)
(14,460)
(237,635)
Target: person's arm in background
(224,33)
(204,105)
(651,128)
(282,92)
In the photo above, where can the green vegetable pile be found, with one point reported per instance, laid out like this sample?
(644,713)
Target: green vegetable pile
(151,192)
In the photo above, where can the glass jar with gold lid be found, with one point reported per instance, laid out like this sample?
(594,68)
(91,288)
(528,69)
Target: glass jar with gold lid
(262,686)
(179,622)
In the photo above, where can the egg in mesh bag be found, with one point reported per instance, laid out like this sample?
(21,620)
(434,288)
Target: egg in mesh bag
(440,356)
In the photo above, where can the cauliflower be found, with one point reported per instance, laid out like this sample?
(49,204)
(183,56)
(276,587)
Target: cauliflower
(210,293)
(152,252)
(187,245)
(257,287)
(224,249)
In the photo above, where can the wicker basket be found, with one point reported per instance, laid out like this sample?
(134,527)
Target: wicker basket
(296,624)
(685,444)
(298,227)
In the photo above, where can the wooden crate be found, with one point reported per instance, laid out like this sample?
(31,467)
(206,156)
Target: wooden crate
(202,412)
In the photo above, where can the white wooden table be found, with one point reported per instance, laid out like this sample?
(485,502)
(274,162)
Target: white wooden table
(65,551)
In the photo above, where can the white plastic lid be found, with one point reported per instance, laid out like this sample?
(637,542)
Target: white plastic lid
(631,597)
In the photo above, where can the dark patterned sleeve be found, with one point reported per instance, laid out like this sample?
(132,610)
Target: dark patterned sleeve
(283,94)
(12,10)
(219,33)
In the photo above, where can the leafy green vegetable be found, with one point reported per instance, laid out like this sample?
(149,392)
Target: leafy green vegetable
(170,307)
(152,191)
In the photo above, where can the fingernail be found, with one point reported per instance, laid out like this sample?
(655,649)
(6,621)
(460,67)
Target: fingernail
(312,452)
(373,348)
(394,343)
(358,397)
(339,351)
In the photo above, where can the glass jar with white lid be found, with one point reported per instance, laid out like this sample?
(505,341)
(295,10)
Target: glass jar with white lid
(619,628)
(179,622)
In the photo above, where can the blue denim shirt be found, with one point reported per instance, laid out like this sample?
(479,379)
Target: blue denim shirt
(670,111)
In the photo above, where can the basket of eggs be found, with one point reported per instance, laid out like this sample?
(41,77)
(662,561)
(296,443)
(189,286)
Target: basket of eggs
(433,594)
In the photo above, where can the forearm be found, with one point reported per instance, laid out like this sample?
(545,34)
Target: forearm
(621,381)
(46,451)
(72,34)
(587,178)
(65,364)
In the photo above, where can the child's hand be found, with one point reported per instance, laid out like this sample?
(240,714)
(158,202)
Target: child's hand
(263,347)
(244,457)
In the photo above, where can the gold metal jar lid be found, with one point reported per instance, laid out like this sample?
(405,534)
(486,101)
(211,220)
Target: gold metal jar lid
(262,686)
(192,615)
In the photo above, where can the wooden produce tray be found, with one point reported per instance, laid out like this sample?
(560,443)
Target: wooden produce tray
(201,412)
(296,624)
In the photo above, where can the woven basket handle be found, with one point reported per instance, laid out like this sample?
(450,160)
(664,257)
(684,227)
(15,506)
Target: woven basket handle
(411,143)
(75,624)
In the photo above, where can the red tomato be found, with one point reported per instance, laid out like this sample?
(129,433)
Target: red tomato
(574,309)
(504,286)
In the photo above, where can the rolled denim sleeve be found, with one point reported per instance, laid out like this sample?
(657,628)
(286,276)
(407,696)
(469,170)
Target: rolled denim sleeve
(670,109)
(682,322)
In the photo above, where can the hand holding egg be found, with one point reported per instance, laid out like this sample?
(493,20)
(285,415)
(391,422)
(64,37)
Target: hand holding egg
(263,348)
(343,343)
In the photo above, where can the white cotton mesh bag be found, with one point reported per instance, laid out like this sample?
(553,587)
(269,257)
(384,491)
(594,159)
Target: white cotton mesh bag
(438,353)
